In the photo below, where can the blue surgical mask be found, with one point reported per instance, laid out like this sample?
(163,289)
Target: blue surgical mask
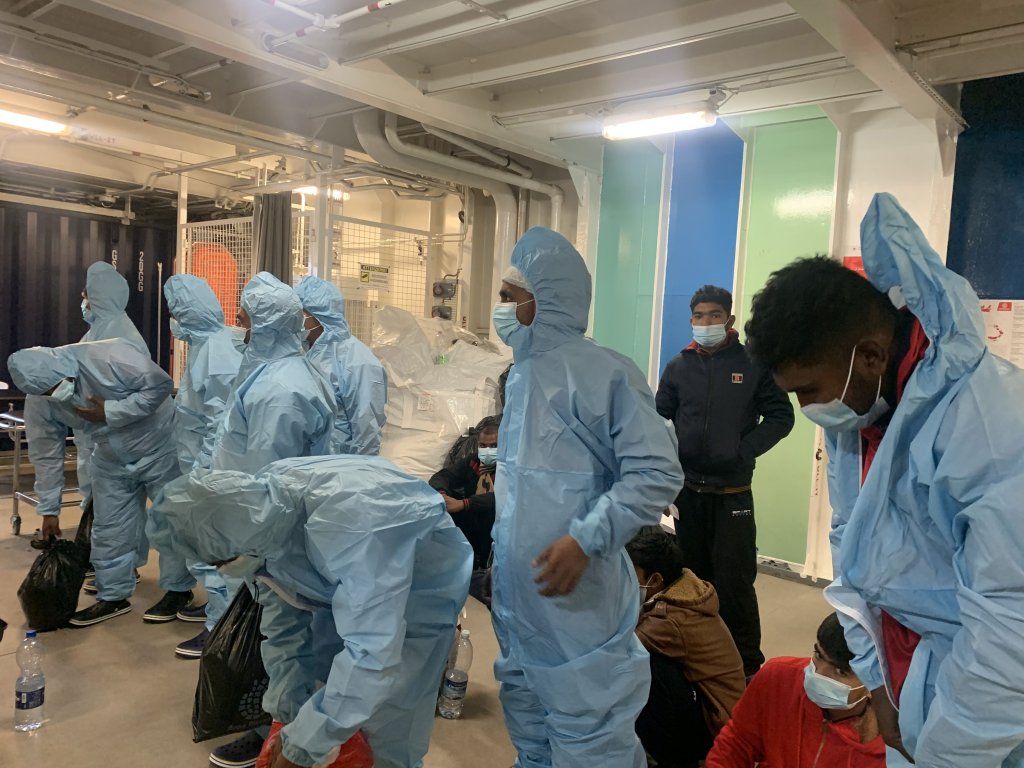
(238,337)
(242,567)
(709,336)
(505,321)
(828,693)
(87,314)
(840,417)
(175,328)
(488,456)
(64,392)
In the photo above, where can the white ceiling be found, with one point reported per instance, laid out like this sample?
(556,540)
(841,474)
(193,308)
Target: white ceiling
(535,78)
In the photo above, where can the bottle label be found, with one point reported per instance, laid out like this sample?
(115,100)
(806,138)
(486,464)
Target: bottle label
(455,689)
(28,699)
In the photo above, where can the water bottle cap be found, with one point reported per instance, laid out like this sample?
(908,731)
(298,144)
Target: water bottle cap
(465,634)
(30,635)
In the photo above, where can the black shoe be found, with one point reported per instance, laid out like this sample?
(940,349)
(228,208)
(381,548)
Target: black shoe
(196,613)
(240,753)
(193,649)
(90,587)
(100,611)
(168,607)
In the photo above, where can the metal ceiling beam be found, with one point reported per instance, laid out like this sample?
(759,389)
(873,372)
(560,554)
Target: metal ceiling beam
(374,85)
(405,34)
(645,35)
(867,39)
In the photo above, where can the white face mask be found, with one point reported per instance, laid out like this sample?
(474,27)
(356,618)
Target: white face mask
(488,456)
(238,337)
(65,391)
(826,692)
(242,567)
(840,417)
(87,313)
(709,336)
(175,328)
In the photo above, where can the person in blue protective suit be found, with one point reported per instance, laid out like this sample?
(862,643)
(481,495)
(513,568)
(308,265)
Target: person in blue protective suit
(281,408)
(361,574)
(584,461)
(203,395)
(123,398)
(359,382)
(925,434)
(104,312)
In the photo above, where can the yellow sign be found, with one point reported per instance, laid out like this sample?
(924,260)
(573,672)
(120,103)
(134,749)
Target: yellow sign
(375,276)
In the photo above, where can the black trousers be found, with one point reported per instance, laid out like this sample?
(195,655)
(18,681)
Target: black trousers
(718,537)
(671,726)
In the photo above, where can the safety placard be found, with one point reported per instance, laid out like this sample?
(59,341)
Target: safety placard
(374,276)
(1004,328)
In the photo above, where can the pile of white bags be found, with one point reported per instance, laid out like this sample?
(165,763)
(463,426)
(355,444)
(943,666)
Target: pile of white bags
(441,381)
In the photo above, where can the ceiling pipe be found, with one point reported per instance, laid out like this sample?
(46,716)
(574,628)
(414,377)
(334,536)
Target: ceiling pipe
(53,91)
(319,22)
(468,166)
(375,143)
(502,161)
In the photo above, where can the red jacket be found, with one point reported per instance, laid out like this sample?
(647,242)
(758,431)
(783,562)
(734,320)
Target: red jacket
(775,725)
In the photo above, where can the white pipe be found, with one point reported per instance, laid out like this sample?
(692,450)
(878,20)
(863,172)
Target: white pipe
(368,131)
(500,160)
(320,23)
(468,166)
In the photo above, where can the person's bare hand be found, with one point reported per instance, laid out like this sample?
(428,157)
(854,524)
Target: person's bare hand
(454,505)
(563,565)
(50,527)
(97,413)
(888,721)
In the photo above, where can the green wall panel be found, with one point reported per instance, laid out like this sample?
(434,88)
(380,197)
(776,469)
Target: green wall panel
(788,214)
(627,248)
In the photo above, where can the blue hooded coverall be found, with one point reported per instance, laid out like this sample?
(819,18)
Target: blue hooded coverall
(582,451)
(935,536)
(203,395)
(362,575)
(359,382)
(281,406)
(108,296)
(132,456)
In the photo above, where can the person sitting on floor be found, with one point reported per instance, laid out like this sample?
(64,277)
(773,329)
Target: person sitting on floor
(696,670)
(804,713)
(467,485)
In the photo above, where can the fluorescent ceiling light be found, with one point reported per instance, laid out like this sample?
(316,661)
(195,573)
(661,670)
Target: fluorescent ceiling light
(656,126)
(337,194)
(18,120)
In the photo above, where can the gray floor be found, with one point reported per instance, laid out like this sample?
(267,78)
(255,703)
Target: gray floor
(118,698)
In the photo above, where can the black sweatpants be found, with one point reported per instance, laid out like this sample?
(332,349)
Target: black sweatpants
(718,537)
(671,726)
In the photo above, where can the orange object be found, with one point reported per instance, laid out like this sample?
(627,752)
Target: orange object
(355,753)
(215,264)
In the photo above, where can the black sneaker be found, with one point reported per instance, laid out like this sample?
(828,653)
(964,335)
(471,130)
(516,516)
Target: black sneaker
(193,649)
(100,611)
(240,753)
(168,607)
(90,587)
(196,613)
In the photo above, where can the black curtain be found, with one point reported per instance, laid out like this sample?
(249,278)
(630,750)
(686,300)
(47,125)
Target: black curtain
(272,233)
(44,254)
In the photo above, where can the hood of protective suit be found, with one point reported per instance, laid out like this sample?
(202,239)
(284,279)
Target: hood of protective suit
(216,515)
(324,301)
(276,316)
(897,254)
(195,306)
(561,286)
(107,290)
(39,369)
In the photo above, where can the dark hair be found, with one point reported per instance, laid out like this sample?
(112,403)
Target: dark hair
(712,294)
(811,309)
(466,445)
(656,552)
(833,642)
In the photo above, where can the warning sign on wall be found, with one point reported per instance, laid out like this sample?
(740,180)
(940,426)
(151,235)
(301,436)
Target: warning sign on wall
(1004,328)
(374,276)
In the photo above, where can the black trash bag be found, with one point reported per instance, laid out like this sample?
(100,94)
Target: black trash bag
(49,593)
(232,680)
(84,536)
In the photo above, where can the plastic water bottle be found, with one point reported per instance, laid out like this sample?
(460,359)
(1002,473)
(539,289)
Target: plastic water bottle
(30,689)
(456,680)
